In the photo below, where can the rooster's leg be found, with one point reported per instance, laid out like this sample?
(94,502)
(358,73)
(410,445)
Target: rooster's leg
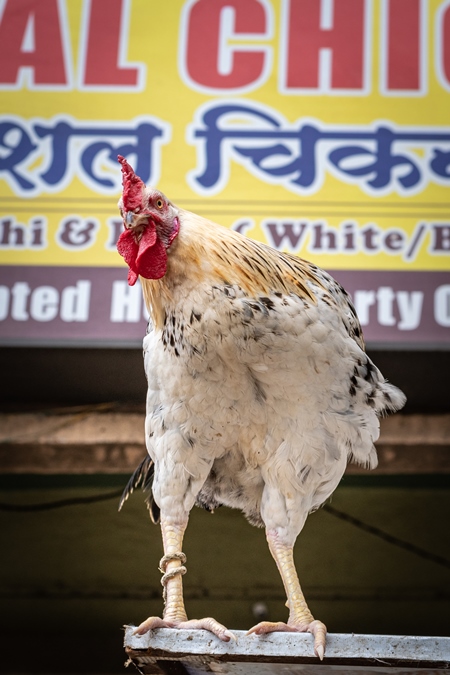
(174,612)
(300,618)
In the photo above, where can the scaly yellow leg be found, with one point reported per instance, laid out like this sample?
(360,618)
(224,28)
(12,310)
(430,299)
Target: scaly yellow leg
(172,535)
(300,617)
(171,565)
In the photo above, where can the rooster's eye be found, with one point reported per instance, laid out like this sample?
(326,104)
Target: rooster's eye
(159,203)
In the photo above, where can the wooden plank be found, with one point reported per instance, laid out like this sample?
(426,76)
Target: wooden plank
(199,651)
(113,442)
(82,443)
(45,459)
(407,460)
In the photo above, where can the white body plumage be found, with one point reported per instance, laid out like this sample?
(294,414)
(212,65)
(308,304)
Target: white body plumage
(258,396)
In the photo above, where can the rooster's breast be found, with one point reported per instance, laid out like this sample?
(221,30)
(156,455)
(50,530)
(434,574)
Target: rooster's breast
(263,383)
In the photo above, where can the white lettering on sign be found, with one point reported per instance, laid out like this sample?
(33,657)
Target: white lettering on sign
(402,309)
(75,302)
(442,305)
(127,305)
(45,303)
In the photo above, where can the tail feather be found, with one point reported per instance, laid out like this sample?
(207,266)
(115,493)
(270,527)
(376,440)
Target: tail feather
(142,478)
(389,398)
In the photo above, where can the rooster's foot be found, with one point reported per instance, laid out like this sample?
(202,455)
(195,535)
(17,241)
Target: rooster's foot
(208,623)
(317,628)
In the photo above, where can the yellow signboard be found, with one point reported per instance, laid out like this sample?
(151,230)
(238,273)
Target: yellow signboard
(320,127)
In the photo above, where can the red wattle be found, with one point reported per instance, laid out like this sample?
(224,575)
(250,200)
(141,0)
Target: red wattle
(151,260)
(132,277)
(127,247)
(147,258)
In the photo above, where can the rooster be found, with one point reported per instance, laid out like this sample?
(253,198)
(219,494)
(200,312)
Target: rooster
(259,389)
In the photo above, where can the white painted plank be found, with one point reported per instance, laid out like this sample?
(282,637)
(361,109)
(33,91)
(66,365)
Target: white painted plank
(339,645)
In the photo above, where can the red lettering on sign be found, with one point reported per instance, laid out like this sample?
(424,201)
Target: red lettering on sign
(325,45)
(31,37)
(443,45)
(105,34)
(402,46)
(208,61)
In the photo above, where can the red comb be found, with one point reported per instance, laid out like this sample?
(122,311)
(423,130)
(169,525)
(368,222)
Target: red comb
(132,186)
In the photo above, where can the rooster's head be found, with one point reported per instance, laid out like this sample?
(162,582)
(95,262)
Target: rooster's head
(151,224)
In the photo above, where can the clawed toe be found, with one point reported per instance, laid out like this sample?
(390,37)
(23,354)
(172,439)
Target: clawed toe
(265,627)
(319,631)
(151,623)
(211,625)
(208,623)
(316,628)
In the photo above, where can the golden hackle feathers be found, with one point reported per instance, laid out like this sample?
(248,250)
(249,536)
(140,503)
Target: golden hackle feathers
(206,251)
